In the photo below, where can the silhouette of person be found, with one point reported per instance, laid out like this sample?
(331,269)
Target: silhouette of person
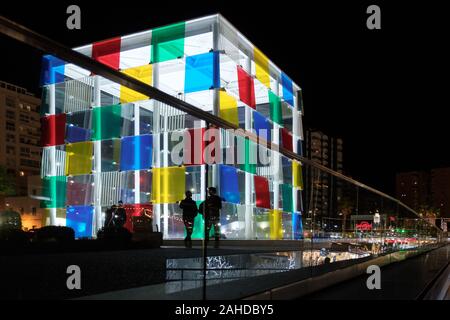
(109,216)
(120,216)
(211,207)
(189,212)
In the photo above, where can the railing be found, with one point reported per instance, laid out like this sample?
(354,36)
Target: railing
(334,208)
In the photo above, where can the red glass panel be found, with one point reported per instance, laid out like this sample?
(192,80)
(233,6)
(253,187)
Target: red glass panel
(107,52)
(246,88)
(194,146)
(262,192)
(286,139)
(53,129)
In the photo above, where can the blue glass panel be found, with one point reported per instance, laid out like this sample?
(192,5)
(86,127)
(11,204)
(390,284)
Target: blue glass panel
(229,184)
(52,70)
(202,72)
(77,134)
(79,218)
(287,169)
(136,152)
(299,147)
(297,226)
(262,126)
(288,92)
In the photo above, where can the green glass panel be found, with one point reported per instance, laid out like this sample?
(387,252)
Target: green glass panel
(199,226)
(250,156)
(275,108)
(168,42)
(106,122)
(286,191)
(54,188)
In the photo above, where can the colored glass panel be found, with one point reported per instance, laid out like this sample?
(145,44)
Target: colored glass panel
(262,126)
(288,89)
(106,122)
(246,88)
(77,134)
(107,52)
(228,109)
(128,186)
(53,129)
(262,192)
(79,218)
(249,162)
(297,175)
(79,158)
(275,108)
(141,73)
(110,155)
(52,70)
(168,42)
(297,226)
(202,72)
(54,192)
(80,190)
(262,67)
(286,139)
(229,184)
(286,191)
(168,184)
(276,228)
(199,226)
(299,147)
(136,152)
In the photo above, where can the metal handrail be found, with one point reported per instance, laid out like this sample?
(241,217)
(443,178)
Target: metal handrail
(38,41)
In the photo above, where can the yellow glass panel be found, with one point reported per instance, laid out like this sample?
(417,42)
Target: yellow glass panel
(228,108)
(168,184)
(262,67)
(79,158)
(297,175)
(276,230)
(143,74)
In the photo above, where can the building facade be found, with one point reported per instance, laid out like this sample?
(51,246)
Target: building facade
(323,191)
(20,152)
(425,190)
(105,143)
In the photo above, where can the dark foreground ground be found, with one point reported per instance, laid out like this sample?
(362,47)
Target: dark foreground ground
(44,276)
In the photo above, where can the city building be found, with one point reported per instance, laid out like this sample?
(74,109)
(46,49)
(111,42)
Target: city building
(427,190)
(413,188)
(104,143)
(20,152)
(323,191)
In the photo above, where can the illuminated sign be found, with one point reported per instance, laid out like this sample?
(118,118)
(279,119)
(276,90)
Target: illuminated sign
(364,226)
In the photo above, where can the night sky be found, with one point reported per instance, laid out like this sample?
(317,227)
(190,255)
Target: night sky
(382,91)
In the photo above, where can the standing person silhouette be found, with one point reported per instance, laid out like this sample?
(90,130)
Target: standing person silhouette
(109,216)
(212,206)
(189,212)
(120,216)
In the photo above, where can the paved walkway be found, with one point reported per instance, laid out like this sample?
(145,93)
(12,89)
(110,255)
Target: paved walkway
(399,281)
